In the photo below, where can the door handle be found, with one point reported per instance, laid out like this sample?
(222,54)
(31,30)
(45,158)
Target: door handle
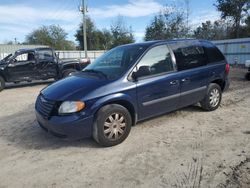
(185,79)
(174,82)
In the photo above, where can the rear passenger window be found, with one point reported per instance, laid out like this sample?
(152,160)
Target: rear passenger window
(157,60)
(213,53)
(45,54)
(189,56)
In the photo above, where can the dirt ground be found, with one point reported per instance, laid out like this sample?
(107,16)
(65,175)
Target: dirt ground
(186,148)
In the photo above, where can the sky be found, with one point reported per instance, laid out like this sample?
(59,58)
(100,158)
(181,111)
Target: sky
(20,17)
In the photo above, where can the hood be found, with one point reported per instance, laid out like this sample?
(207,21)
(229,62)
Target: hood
(2,62)
(72,88)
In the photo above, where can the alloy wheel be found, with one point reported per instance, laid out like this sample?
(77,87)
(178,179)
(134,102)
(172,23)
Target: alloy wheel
(214,98)
(114,126)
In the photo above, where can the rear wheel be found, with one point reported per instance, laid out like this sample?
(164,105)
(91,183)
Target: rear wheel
(2,83)
(112,125)
(68,72)
(213,97)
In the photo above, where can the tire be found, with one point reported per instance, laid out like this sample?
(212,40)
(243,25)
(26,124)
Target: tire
(2,84)
(68,72)
(213,98)
(247,76)
(116,121)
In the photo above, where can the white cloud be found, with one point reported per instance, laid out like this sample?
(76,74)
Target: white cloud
(18,20)
(203,16)
(26,14)
(139,34)
(137,8)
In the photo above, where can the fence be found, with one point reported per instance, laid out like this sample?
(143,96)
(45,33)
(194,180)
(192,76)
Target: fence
(70,54)
(3,55)
(236,51)
(79,54)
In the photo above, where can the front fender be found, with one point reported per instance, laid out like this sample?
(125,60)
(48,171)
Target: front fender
(2,74)
(117,97)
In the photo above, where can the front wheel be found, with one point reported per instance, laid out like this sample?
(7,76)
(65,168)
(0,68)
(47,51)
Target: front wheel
(112,125)
(213,97)
(2,83)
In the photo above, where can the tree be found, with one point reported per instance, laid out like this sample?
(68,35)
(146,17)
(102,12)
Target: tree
(53,36)
(121,34)
(168,24)
(156,30)
(175,26)
(8,42)
(235,10)
(106,39)
(212,31)
(96,39)
(245,29)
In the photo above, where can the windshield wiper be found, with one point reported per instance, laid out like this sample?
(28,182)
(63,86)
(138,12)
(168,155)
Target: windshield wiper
(95,71)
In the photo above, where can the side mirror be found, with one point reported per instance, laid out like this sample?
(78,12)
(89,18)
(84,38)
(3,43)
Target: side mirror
(143,71)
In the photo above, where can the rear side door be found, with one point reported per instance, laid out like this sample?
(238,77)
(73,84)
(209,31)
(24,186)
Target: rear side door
(216,62)
(191,62)
(47,66)
(22,66)
(158,88)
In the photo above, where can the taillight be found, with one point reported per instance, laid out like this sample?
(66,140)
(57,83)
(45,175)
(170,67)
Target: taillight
(227,69)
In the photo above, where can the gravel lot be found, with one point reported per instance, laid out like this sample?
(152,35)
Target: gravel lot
(186,148)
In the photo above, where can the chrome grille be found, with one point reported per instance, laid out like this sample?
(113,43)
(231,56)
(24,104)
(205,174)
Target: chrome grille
(44,106)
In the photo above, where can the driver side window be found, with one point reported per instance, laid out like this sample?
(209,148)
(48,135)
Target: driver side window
(25,57)
(21,57)
(156,61)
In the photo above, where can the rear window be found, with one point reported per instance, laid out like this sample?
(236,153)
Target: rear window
(45,54)
(213,53)
(189,56)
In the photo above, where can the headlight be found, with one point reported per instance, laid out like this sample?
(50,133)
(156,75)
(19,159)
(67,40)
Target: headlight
(68,107)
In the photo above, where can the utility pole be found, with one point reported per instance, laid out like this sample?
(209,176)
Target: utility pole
(83,9)
(187,3)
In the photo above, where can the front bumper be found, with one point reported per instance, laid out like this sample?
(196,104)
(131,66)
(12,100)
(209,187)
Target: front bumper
(69,127)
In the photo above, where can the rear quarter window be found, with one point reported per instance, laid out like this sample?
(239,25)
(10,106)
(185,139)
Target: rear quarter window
(214,55)
(189,55)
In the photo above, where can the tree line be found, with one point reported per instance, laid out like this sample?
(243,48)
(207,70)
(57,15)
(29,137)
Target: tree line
(234,23)
(169,23)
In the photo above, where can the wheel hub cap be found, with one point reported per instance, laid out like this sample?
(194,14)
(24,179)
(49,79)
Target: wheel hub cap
(214,98)
(114,126)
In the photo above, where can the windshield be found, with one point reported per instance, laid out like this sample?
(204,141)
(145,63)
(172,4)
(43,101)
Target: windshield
(115,62)
(7,57)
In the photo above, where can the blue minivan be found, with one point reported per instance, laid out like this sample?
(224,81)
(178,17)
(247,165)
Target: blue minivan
(131,83)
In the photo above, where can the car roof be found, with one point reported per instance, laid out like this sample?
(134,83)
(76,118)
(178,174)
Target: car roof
(31,50)
(156,42)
